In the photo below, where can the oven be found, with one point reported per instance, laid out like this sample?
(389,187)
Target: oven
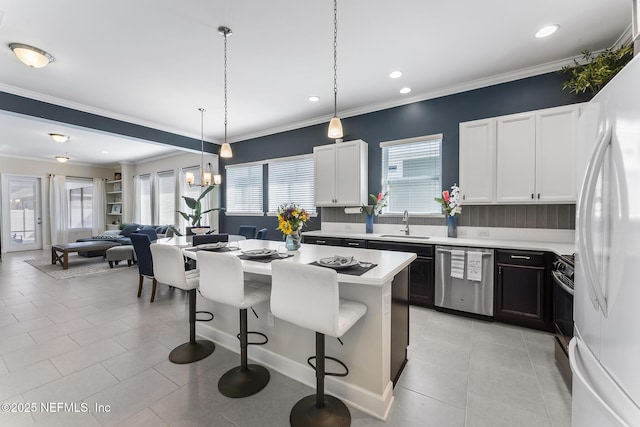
(562,274)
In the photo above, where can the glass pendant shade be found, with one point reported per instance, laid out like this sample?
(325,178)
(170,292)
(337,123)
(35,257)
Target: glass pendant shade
(217,179)
(190,178)
(335,128)
(31,56)
(206,178)
(225,150)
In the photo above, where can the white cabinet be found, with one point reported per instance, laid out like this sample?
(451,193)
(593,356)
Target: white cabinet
(478,161)
(516,158)
(520,158)
(340,173)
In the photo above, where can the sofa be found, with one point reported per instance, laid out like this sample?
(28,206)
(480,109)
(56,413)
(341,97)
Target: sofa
(120,236)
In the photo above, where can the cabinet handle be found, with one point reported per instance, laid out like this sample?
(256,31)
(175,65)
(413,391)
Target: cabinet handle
(520,257)
(464,197)
(321,242)
(353,244)
(499,270)
(538,196)
(531,196)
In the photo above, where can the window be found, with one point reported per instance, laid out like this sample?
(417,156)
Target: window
(412,174)
(166,198)
(144,201)
(291,180)
(244,189)
(80,192)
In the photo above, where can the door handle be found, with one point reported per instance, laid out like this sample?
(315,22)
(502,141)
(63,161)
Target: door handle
(520,257)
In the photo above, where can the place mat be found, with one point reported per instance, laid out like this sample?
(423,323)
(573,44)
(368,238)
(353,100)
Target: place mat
(222,249)
(265,259)
(356,270)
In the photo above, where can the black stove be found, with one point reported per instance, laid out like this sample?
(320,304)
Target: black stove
(563,273)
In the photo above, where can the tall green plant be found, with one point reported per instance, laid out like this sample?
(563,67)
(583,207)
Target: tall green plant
(597,70)
(196,206)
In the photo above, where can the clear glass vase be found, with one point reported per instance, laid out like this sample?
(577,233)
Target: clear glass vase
(293,240)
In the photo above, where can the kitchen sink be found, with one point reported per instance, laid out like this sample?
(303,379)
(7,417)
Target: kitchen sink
(404,236)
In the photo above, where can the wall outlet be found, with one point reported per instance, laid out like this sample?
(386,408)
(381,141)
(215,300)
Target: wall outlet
(270,319)
(483,233)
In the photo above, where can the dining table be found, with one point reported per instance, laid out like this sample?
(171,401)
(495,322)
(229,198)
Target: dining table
(374,349)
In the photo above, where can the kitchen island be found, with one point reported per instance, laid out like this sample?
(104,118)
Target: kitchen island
(374,349)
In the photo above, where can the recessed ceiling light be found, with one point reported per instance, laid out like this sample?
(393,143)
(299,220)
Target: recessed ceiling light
(105,152)
(547,31)
(395,74)
(62,159)
(31,56)
(314,98)
(405,90)
(58,137)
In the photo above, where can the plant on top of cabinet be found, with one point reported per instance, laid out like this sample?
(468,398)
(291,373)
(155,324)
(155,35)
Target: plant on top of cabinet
(598,69)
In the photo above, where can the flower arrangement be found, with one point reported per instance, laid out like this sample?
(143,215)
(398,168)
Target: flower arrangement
(450,201)
(378,203)
(291,218)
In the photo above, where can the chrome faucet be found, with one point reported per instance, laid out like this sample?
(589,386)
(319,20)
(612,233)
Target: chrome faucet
(405,220)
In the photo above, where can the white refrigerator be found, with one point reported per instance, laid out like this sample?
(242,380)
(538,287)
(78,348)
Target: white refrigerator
(605,351)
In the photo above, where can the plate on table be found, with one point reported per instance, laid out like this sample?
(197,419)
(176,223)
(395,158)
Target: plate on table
(212,246)
(338,262)
(259,253)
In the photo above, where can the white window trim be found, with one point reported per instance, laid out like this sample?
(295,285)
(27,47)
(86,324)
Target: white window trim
(425,138)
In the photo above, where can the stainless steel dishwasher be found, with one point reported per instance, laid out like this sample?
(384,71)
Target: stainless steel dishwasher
(460,293)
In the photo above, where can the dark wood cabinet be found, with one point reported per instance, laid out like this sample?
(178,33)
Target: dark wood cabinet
(329,241)
(421,271)
(522,295)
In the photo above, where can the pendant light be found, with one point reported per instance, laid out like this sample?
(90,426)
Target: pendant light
(225,150)
(205,177)
(335,126)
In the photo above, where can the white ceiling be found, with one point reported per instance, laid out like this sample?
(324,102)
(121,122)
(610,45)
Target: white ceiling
(154,62)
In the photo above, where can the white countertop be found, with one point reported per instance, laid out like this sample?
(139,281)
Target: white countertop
(559,248)
(389,262)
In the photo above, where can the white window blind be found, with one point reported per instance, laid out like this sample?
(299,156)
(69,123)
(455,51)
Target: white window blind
(144,201)
(80,193)
(291,181)
(412,174)
(166,198)
(244,189)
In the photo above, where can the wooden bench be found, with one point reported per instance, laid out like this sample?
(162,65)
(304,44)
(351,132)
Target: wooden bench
(61,252)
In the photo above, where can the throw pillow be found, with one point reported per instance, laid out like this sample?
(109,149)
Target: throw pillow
(131,228)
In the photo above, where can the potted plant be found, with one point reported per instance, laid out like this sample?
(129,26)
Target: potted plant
(371,211)
(196,206)
(291,219)
(450,202)
(597,69)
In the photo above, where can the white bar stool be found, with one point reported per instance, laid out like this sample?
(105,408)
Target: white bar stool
(222,280)
(168,268)
(308,296)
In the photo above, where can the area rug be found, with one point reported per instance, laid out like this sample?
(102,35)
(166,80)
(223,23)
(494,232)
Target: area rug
(78,266)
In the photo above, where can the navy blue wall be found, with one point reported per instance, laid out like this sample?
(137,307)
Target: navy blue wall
(439,115)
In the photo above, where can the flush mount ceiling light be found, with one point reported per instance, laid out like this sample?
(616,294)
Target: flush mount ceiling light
(62,159)
(205,177)
(335,126)
(31,56)
(225,150)
(395,74)
(547,31)
(405,90)
(58,137)
(314,98)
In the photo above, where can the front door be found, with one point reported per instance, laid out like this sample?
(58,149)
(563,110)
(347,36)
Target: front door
(21,213)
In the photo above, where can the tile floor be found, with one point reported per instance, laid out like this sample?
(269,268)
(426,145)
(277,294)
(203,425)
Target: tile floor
(91,341)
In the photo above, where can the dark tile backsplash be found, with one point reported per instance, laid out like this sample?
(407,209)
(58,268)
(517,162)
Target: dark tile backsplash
(506,216)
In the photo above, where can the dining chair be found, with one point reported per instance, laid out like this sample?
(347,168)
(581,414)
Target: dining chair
(308,296)
(248,231)
(262,234)
(168,266)
(222,280)
(141,244)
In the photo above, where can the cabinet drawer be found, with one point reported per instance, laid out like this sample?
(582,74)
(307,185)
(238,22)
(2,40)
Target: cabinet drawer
(420,250)
(354,243)
(520,258)
(329,241)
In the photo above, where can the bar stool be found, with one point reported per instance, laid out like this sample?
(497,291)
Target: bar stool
(221,280)
(308,296)
(168,268)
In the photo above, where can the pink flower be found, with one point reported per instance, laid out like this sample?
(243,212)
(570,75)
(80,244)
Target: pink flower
(445,196)
(380,196)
